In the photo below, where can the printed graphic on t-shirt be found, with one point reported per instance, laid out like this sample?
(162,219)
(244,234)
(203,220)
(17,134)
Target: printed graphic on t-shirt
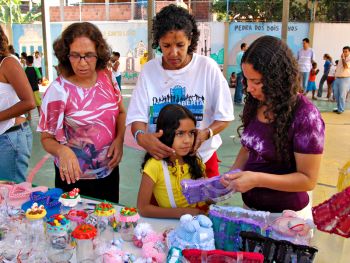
(177,95)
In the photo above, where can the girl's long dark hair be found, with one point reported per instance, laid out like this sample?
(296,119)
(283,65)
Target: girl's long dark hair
(168,121)
(272,58)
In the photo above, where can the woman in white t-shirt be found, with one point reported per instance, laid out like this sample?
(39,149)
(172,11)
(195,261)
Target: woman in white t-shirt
(180,76)
(16,98)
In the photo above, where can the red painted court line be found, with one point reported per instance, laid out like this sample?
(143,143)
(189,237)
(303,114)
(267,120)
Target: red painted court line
(37,167)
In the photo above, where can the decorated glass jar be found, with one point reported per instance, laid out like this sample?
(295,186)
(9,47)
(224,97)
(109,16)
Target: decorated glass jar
(128,218)
(104,212)
(57,228)
(84,235)
(35,223)
(76,217)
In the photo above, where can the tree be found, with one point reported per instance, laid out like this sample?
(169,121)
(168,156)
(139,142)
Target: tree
(11,12)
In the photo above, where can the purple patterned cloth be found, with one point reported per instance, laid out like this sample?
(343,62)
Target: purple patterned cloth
(206,189)
(306,136)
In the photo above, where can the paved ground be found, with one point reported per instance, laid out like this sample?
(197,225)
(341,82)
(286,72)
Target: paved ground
(337,145)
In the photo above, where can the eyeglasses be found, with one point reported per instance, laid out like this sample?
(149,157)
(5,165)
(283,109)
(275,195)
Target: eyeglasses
(77,57)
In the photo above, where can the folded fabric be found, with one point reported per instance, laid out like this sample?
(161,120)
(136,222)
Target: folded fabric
(333,215)
(206,189)
(219,256)
(20,193)
(49,199)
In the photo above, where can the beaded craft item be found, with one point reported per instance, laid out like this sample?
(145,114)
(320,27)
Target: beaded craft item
(57,223)
(206,189)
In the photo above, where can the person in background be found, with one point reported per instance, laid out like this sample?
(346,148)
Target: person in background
(282,133)
(330,80)
(305,57)
(23,59)
(326,67)
(82,121)
(37,61)
(115,66)
(179,130)
(233,80)
(34,77)
(16,98)
(341,83)
(183,77)
(311,86)
(239,86)
(144,59)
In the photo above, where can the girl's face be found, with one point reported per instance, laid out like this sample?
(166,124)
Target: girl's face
(254,81)
(184,137)
(174,46)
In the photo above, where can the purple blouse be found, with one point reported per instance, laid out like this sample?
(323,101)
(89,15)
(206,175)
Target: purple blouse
(306,136)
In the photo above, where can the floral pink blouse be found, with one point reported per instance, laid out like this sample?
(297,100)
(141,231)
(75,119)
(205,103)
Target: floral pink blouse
(83,119)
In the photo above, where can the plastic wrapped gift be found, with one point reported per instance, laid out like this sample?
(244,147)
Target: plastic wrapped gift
(228,222)
(333,215)
(128,218)
(276,250)
(84,235)
(206,189)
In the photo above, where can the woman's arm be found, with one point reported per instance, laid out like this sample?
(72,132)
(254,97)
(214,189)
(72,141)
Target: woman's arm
(241,159)
(304,179)
(146,209)
(115,65)
(203,135)
(115,151)
(14,74)
(150,141)
(69,165)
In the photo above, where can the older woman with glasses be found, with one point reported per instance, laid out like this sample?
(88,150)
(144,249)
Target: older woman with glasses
(82,121)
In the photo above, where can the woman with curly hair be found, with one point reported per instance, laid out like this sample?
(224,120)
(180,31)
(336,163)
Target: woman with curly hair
(183,77)
(82,120)
(16,98)
(283,133)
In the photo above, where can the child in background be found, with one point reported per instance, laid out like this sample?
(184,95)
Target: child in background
(176,126)
(311,86)
(115,65)
(330,80)
(233,80)
(34,77)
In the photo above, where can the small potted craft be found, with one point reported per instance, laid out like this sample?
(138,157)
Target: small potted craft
(84,235)
(57,228)
(69,199)
(128,217)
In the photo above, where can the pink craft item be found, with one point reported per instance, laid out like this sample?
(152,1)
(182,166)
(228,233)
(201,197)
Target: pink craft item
(18,194)
(128,215)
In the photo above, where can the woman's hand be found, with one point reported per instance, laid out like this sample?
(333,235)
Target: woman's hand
(201,136)
(151,143)
(115,152)
(69,165)
(241,181)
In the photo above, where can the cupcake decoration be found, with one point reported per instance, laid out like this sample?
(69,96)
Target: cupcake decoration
(84,231)
(71,198)
(36,212)
(104,209)
(128,214)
